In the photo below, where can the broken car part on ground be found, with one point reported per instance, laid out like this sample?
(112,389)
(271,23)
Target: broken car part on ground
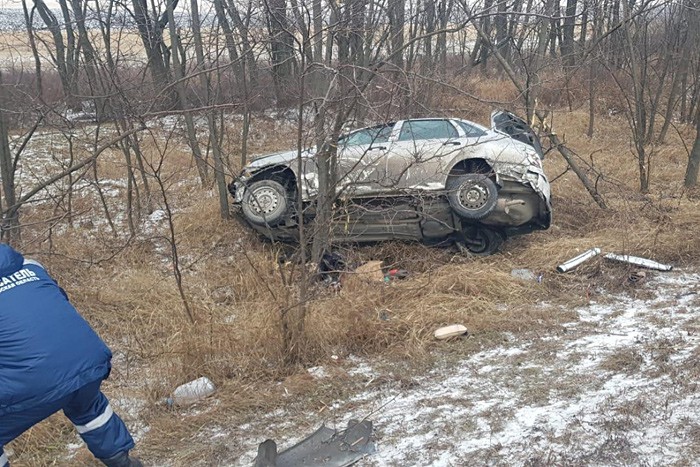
(432,180)
(325,447)
(575,262)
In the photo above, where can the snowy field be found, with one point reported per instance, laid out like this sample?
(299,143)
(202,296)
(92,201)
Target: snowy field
(617,386)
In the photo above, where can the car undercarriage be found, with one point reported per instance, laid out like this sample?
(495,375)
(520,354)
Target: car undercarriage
(428,219)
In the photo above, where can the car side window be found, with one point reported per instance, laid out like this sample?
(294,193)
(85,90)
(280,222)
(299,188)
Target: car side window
(427,129)
(470,130)
(377,134)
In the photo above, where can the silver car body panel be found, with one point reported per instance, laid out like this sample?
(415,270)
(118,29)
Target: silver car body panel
(393,167)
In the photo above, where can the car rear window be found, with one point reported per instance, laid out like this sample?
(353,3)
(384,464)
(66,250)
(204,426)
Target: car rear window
(427,129)
(470,130)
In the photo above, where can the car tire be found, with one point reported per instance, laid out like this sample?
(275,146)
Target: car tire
(472,196)
(480,242)
(265,202)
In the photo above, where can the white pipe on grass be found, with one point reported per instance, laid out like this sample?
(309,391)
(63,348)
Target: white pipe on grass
(575,262)
(637,261)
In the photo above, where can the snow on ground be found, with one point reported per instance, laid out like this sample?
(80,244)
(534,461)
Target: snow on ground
(618,386)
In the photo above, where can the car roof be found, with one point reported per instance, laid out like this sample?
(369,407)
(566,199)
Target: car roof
(417,119)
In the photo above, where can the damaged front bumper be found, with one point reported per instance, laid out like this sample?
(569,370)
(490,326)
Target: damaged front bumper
(238,186)
(524,199)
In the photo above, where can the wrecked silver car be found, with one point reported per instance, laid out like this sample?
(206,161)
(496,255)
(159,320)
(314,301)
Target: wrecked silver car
(433,180)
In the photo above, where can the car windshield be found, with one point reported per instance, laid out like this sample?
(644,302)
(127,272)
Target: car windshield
(377,134)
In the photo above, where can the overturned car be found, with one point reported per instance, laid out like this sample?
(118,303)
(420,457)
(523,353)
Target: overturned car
(433,180)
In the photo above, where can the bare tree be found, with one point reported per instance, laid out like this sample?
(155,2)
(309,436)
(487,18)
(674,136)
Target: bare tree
(29,25)
(9,225)
(151,24)
(62,52)
(691,172)
(567,43)
(205,84)
(183,103)
(282,55)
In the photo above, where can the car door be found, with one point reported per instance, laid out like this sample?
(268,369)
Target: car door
(422,152)
(361,160)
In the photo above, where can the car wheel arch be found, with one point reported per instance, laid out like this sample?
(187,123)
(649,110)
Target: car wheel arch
(275,172)
(476,165)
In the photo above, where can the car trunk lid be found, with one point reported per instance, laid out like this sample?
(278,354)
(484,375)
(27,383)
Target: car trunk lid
(516,128)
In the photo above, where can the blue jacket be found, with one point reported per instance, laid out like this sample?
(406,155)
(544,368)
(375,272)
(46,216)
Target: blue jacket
(47,350)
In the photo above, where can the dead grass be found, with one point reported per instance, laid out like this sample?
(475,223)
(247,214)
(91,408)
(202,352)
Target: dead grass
(237,290)
(626,360)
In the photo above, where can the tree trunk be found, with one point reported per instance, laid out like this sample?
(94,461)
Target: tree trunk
(691,172)
(672,102)
(591,97)
(247,49)
(524,29)
(9,221)
(396,11)
(230,41)
(151,32)
(585,14)
(65,72)
(317,13)
(638,118)
(555,28)
(205,83)
(486,27)
(503,44)
(72,52)
(429,16)
(567,44)
(91,66)
(594,66)
(182,98)
(356,27)
(281,49)
(29,21)
(444,11)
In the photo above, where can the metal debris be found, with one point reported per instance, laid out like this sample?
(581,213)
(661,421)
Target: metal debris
(637,261)
(578,260)
(325,447)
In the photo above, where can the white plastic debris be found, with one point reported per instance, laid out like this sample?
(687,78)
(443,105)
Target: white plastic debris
(450,331)
(637,261)
(578,260)
(191,392)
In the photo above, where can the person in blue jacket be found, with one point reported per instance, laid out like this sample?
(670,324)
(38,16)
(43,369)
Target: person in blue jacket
(51,360)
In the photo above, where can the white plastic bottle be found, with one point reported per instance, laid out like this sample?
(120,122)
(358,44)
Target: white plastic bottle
(191,392)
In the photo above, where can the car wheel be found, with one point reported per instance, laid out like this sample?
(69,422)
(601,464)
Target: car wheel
(472,196)
(480,242)
(265,202)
